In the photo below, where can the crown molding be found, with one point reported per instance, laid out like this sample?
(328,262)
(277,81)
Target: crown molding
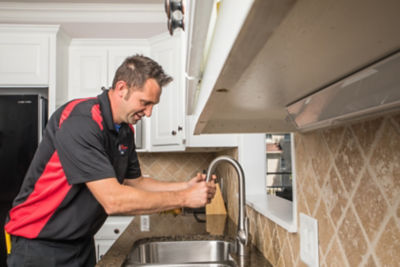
(108,42)
(11,12)
(13,28)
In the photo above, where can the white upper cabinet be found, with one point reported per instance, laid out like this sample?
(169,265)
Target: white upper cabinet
(88,72)
(167,121)
(28,59)
(93,63)
(24,59)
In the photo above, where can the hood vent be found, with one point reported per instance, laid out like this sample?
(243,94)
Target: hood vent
(372,90)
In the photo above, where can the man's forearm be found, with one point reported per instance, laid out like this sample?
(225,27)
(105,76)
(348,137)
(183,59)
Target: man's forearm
(121,199)
(150,184)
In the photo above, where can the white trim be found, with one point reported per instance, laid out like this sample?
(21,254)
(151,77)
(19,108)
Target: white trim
(252,158)
(276,209)
(109,42)
(28,28)
(162,36)
(82,12)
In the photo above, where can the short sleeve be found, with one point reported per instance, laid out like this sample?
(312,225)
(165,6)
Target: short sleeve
(134,166)
(80,146)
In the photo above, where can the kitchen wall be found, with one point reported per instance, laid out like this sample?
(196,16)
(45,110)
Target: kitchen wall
(174,166)
(348,178)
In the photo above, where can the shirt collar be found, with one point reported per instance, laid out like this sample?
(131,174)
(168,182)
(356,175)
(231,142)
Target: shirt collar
(106,110)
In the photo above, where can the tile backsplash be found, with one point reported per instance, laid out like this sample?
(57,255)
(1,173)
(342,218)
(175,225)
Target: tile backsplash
(348,178)
(174,166)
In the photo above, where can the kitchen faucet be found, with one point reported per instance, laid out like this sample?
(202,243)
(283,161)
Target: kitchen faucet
(242,234)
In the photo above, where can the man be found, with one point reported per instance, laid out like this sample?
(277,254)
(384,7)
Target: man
(86,168)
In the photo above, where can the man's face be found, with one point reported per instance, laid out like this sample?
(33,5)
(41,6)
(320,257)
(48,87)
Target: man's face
(140,103)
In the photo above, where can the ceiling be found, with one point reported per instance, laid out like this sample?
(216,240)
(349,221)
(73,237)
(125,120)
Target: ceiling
(139,19)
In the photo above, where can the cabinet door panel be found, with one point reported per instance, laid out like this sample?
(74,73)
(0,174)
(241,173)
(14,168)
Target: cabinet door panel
(24,60)
(168,115)
(88,70)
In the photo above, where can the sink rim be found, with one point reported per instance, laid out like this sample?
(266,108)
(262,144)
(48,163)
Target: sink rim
(223,257)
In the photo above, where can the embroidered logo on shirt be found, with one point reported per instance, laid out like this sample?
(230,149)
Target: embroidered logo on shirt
(122,149)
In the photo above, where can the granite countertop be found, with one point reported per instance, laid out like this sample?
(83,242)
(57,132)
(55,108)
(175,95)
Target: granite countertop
(184,227)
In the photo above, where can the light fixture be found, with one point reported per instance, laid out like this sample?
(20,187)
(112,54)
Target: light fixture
(175,10)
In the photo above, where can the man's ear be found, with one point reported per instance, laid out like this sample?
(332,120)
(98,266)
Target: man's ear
(120,88)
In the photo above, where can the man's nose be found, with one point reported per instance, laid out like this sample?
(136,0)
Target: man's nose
(148,110)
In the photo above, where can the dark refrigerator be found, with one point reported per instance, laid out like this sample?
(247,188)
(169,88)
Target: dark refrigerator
(22,120)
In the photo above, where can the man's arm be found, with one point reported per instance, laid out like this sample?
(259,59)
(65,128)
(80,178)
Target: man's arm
(122,199)
(150,184)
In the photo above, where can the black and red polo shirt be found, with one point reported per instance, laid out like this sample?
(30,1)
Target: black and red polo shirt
(80,144)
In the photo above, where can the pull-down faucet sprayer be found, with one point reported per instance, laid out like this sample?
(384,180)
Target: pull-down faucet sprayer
(242,234)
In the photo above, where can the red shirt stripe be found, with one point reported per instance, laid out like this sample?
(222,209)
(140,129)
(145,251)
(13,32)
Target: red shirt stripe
(29,218)
(132,128)
(96,115)
(68,109)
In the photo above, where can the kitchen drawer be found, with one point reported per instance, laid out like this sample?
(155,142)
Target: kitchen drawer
(113,227)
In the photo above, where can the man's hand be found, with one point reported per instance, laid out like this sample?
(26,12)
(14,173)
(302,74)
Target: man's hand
(200,179)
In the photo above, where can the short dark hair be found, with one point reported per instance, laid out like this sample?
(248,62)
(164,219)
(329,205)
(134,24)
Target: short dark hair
(135,71)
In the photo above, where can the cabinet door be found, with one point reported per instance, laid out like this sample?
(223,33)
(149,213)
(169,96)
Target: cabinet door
(88,72)
(24,60)
(167,121)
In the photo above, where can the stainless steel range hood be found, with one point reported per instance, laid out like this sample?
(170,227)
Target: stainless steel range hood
(266,55)
(372,90)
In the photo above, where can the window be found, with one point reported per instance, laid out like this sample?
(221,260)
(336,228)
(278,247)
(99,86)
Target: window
(253,156)
(279,168)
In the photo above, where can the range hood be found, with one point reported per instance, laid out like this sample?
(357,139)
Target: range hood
(370,91)
(268,58)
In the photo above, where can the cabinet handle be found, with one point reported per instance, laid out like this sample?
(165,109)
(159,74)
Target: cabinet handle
(180,128)
(173,132)
(116,231)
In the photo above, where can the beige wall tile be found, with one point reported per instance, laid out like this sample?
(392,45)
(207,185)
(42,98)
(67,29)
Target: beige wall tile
(333,137)
(286,254)
(349,161)
(174,166)
(335,196)
(301,204)
(335,257)
(366,132)
(303,164)
(320,157)
(371,262)
(398,211)
(388,246)
(385,161)
(352,239)
(276,246)
(326,229)
(311,192)
(369,195)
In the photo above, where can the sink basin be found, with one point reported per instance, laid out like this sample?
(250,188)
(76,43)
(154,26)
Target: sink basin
(212,253)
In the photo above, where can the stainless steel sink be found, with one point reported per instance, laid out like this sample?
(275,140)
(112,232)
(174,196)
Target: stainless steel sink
(212,253)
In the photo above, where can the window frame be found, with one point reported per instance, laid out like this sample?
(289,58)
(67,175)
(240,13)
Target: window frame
(251,155)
